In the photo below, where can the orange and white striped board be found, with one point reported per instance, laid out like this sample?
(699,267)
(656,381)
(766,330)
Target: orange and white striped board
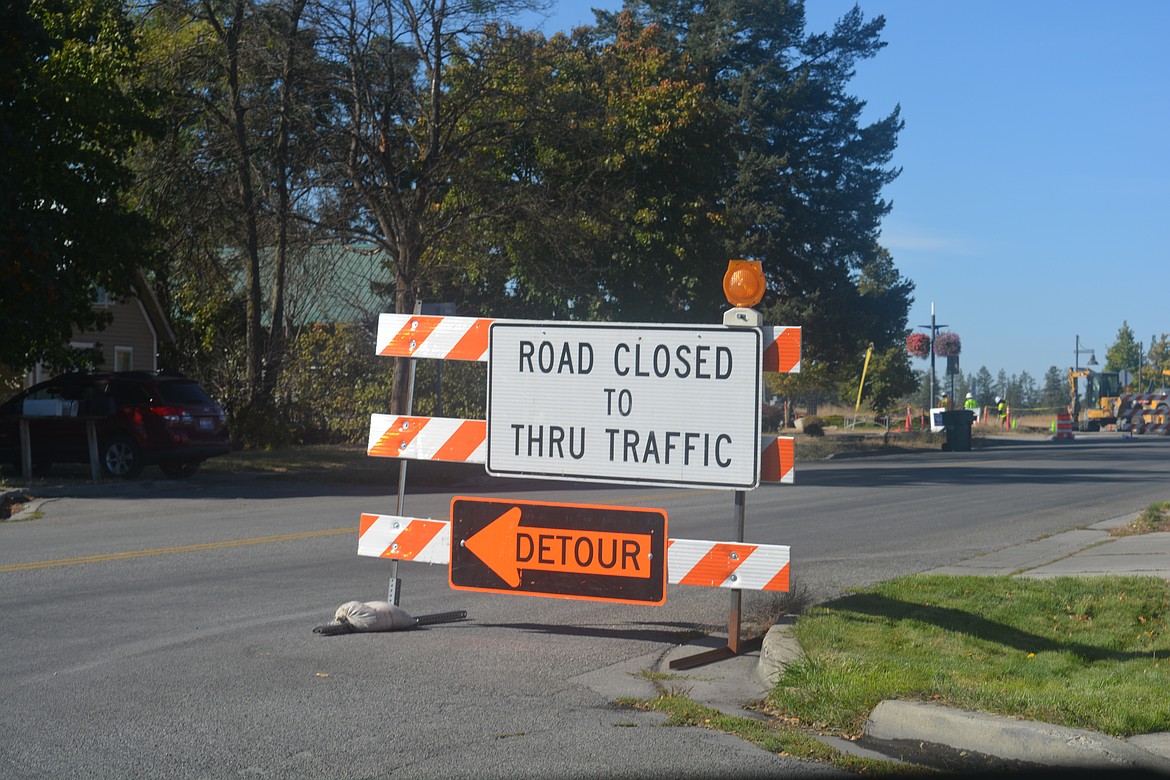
(464,441)
(404,538)
(734,565)
(439,338)
(466,338)
(778,460)
(427,438)
(782,348)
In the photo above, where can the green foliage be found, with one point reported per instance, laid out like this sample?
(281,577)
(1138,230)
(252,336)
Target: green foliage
(813,426)
(451,388)
(1055,393)
(601,205)
(1158,359)
(332,383)
(604,175)
(1153,519)
(68,123)
(890,379)
(1124,353)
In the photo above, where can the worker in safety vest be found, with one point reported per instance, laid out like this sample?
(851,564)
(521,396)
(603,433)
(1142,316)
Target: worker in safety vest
(970,403)
(1001,409)
(945,401)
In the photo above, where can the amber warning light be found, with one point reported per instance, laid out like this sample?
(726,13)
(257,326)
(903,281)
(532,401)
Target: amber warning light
(744,284)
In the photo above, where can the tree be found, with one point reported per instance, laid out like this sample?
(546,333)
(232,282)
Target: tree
(1124,353)
(984,387)
(1158,359)
(247,99)
(1055,392)
(1027,395)
(68,120)
(403,143)
(891,379)
(601,205)
(804,194)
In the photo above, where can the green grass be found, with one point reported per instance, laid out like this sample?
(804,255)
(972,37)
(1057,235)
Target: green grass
(1153,519)
(319,458)
(1089,653)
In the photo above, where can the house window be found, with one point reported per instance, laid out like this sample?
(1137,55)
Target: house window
(103,297)
(123,358)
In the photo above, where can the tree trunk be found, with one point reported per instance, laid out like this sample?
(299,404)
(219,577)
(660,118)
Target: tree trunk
(231,36)
(282,166)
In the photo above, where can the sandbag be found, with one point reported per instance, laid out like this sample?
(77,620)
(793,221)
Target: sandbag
(373,616)
(358,616)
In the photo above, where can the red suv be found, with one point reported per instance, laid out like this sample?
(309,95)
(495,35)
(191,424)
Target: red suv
(139,417)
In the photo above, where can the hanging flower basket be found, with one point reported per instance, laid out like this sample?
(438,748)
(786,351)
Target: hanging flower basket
(918,345)
(947,344)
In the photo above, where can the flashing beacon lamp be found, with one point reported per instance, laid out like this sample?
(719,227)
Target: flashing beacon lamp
(744,285)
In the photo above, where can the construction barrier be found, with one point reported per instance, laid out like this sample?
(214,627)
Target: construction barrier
(464,441)
(466,338)
(1063,426)
(734,565)
(1145,413)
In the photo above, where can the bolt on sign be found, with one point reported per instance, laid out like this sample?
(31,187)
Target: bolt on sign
(629,404)
(574,551)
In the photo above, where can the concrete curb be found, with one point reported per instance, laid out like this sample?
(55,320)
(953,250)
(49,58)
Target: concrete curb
(1007,738)
(779,649)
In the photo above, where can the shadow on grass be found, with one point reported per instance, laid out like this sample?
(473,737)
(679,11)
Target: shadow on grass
(972,625)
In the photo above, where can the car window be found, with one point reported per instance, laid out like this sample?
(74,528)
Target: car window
(183,393)
(127,394)
(46,393)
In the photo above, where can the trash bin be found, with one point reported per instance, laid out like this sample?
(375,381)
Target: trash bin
(957,424)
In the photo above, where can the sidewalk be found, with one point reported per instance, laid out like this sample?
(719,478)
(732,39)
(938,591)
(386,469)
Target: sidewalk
(898,728)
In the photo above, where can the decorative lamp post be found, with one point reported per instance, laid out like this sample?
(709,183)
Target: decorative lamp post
(943,345)
(1077,356)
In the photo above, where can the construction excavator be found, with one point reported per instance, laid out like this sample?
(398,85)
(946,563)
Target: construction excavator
(1097,400)
(1094,398)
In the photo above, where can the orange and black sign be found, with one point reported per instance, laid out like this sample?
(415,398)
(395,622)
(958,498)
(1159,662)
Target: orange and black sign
(574,551)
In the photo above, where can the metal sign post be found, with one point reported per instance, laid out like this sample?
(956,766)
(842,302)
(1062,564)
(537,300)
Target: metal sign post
(394,596)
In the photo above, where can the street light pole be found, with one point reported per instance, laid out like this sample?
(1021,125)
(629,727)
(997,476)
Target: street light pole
(934,329)
(1077,355)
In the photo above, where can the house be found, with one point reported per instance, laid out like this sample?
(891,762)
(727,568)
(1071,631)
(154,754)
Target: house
(131,341)
(330,283)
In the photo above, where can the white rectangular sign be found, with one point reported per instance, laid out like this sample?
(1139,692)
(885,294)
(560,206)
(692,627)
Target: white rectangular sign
(624,403)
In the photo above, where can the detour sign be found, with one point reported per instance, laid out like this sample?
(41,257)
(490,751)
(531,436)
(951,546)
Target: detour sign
(575,551)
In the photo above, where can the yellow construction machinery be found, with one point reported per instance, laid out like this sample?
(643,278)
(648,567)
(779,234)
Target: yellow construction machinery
(1094,398)
(1097,400)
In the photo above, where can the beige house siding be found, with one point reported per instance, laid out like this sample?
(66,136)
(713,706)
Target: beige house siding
(131,329)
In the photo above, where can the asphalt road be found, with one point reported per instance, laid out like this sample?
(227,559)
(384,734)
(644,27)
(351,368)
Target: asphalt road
(165,630)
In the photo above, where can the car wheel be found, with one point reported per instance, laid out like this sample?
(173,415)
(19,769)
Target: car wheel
(122,458)
(180,469)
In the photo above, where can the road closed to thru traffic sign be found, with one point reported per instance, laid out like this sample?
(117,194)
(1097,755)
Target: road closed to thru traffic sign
(637,404)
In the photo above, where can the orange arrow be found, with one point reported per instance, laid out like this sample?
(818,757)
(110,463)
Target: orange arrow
(507,547)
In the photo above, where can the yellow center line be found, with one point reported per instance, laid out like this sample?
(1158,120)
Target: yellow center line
(122,556)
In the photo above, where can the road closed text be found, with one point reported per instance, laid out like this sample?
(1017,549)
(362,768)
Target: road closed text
(682,361)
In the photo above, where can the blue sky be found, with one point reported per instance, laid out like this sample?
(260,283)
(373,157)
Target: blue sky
(1033,203)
